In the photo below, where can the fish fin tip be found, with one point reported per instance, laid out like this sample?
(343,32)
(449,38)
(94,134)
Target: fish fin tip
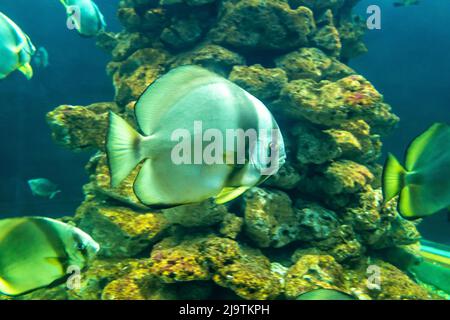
(393,178)
(122,148)
(53,195)
(229,193)
(27,71)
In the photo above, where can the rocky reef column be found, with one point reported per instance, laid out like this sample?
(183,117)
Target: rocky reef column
(318,223)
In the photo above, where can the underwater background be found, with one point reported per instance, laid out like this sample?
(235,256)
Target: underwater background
(406,62)
(76,73)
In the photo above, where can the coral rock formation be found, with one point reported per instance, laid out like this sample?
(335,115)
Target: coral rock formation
(315,224)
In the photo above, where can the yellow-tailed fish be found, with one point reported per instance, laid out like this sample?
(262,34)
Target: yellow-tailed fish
(423,185)
(36,252)
(184,96)
(85,17)
(16,49)
(325,294)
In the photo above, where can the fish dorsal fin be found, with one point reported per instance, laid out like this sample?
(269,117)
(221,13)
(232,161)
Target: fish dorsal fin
(427,147)
(100,17)
(164,92)
(7,225)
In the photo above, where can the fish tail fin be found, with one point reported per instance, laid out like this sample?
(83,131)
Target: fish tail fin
(393,178)
(27,71)
(122,147)
(54,194)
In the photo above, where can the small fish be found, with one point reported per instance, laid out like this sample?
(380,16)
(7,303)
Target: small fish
(37,252)
(43,188)
(16,49)
(424,183)
(177,100)
(406,3)
(85,17)
(40,58)
(325,294)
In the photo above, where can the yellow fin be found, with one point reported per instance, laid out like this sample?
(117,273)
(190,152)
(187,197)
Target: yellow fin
(229,193)
(27,70)
(19,48)
(393,178)
(5,288)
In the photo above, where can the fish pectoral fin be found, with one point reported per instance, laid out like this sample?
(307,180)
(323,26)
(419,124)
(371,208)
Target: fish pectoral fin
(27,70)
(229,193)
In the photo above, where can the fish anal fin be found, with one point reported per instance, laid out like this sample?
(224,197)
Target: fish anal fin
(229,193)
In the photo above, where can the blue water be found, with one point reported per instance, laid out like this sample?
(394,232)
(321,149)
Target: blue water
(76,75)
(407,62)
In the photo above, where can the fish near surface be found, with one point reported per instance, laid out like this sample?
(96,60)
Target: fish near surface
(85,16)
(43,188)
(177,100)
(36,252)
(16,49)
(423,185)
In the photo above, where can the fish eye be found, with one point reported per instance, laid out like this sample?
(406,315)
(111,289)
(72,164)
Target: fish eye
(81,246)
